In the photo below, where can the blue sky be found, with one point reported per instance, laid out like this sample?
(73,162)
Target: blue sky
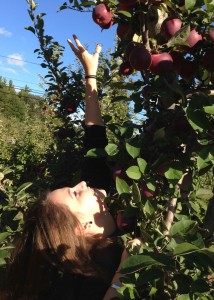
(17,59)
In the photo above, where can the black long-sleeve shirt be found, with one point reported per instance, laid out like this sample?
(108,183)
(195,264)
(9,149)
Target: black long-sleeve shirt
(95,170)
(97,174)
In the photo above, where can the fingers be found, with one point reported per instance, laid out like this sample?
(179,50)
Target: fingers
(80,47)
(98,49)
(73,48)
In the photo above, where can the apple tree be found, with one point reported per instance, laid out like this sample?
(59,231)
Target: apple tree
(163,164)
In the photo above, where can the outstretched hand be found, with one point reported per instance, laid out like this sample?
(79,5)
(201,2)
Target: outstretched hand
(88,61)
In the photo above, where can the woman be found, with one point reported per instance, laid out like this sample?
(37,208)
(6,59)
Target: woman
(68,249)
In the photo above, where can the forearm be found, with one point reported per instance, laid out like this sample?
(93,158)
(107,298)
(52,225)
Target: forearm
(92,106)
(112,290)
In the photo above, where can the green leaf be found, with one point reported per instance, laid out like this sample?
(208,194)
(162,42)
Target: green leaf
(96,152)
(136,193)
(43,65)
(3,254)
(30,28)
(209,109)
(87,3)
(62,7)
(142,164)
(209,5)
(205,157)
(111,149)
(136,262)
(125,13)
(184,248)
(197,119)
(190,4)
(3,236)
(180,37)
(23,187)
(121,186)
(173,172)
(204,194)
(183,228)
(148,209)
(133,172)
(132,150)
(126,131)
(184,297)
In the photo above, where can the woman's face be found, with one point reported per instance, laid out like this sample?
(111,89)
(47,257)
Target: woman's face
(87,205)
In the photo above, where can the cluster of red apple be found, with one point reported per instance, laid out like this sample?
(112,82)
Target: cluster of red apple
(137,57)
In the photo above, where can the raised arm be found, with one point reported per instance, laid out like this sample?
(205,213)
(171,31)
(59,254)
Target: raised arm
(94,171)
(90,65)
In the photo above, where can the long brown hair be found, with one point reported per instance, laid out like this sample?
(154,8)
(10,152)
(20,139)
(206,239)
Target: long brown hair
(48,242)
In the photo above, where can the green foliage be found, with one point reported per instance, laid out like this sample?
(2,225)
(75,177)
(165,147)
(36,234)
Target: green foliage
(167,162)
(166,159)
(13,202)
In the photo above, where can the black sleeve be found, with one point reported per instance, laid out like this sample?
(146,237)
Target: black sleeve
(95,170)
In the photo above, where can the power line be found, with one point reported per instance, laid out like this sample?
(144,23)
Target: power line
(23,88)
(20,80)
(31,90)
(30,62)
(27,97)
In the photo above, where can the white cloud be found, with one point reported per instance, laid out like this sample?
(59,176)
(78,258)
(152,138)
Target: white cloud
(15,59)
(26,70)
(5,32)
(9,70)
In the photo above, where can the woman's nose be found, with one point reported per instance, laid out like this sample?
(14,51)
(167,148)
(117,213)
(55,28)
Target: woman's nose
(81,186)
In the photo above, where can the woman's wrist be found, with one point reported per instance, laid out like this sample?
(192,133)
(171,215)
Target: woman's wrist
(90,76)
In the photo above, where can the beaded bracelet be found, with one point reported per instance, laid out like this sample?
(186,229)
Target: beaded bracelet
(90,76)
(115,286)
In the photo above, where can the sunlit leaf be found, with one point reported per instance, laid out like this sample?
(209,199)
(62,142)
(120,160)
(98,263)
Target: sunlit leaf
(121,186)
(132,150)
(133,172)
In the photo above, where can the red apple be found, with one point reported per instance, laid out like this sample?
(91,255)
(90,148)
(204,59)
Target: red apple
(211,33)
(102,16)
(161,169)
(170,26)
(146,191)
(140,58)
(194,38)
(188,69)
(128,49)
(125,224)
(161,63)
(68,105)
(124,31)
(119,173)
(208,60)
(125,68)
